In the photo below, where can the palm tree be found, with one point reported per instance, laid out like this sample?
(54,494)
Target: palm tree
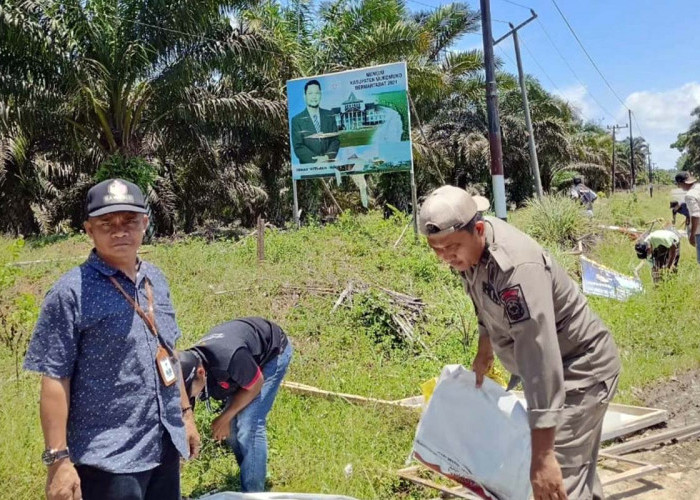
(144,78)
(688,143)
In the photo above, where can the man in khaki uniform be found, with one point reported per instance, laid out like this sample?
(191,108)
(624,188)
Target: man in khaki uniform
(533,316)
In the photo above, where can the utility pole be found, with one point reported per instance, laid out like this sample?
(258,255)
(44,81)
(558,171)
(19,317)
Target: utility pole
(534,164)
(614,128)
(498,183)
(629,112)
(651,176)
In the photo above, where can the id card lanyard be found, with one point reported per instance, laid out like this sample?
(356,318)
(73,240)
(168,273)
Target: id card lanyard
(163,353)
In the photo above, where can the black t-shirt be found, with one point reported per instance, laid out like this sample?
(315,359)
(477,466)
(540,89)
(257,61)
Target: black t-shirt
(236,351)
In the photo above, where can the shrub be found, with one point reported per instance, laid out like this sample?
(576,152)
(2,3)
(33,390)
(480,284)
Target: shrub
(556,220)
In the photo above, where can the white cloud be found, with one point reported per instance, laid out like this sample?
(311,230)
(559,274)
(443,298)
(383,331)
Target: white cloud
(661,117)
(578,97)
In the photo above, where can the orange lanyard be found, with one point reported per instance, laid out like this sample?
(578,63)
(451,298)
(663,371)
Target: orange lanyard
(150,318)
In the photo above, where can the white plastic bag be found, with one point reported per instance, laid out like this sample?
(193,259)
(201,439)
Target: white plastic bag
(477,437)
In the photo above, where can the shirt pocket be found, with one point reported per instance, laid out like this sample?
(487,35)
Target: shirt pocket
(166,322)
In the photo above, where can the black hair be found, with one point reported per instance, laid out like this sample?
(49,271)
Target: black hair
(674,204)
(642,248)
(469,226)
(312,82)
(577,180)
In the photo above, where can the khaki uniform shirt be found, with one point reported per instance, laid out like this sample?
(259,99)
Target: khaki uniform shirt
(538,321)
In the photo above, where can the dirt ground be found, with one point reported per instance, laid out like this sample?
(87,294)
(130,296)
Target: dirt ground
(680,477)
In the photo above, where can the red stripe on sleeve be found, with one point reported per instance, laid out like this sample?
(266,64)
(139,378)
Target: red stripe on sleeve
(258,374)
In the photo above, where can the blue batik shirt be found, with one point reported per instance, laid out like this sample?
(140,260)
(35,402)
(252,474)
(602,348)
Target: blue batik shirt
(88,332)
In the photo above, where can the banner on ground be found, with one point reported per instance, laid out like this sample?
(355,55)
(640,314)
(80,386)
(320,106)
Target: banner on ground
(348,123)
(603,282)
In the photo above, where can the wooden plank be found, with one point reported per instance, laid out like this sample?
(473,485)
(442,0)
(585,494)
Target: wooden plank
(458,492)
(680,433)
(631,474)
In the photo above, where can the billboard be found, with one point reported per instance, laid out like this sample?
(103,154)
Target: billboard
(348,123)
(603,282)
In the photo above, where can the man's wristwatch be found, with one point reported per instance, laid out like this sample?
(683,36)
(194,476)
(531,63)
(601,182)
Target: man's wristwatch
(51,456)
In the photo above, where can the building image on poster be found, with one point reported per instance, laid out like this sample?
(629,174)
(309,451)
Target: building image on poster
(348,123)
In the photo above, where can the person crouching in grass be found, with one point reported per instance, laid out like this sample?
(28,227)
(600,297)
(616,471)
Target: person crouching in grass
(242,363)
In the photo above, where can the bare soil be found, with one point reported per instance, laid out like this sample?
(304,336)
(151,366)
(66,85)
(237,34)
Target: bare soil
(680,477)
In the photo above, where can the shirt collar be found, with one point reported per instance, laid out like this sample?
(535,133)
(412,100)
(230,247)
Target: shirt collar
(98,263)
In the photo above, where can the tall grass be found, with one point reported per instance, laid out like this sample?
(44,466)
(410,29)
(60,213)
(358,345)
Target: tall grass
(556,220)
(354,349)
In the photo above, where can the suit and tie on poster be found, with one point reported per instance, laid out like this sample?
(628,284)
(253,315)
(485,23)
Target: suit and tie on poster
(349,123)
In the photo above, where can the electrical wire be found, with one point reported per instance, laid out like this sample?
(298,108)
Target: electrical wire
(587,54)
(517,4)
(532,56)
(566,62)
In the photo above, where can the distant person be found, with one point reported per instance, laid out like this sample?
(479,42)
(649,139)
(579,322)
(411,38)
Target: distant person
(242,363)
(314,120)
(689,184)
(579,191)
(113,407)
(662,249)
(682,209)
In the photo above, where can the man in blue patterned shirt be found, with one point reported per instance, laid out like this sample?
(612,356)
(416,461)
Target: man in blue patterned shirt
(113,408)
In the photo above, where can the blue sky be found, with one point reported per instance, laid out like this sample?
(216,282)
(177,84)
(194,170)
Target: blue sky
(647,50)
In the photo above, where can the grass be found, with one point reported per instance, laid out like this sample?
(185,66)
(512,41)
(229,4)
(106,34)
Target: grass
(360,137)
(356,349)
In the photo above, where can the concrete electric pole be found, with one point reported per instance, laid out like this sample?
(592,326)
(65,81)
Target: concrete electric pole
(634,177)
(496,148)
(614,128)
(534,164)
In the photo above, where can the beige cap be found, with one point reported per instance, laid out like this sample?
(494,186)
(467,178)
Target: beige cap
(447,208)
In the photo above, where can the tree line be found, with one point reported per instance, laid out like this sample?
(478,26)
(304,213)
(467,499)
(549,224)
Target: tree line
(188,100)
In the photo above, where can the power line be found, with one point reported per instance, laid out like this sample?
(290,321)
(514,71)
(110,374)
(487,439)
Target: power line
(587,54)
(517,4)
(636,122)
(505,54)
(585,87)
(532,56)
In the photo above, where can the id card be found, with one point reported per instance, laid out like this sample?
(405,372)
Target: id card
(165,367)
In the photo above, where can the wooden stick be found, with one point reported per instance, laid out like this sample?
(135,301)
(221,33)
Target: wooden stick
(680,433)
(343,296)
(261,239)
(459,492)
(330,194)
(310,390)
(403,232)
(44,261)
(618,458)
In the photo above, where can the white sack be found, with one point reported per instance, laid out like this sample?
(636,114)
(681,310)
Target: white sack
(478,437)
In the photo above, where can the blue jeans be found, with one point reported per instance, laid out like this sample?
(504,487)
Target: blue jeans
(248,438)
(161,483)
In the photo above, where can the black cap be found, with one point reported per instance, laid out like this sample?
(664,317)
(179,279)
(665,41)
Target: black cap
(189,362)
(685,177)
(642,248)
(115,195)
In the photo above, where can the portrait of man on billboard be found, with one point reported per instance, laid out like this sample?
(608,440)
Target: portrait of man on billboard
(314,130)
